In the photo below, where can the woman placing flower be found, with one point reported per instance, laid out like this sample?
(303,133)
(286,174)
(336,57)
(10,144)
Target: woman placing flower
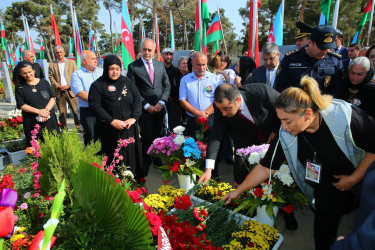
(321,133)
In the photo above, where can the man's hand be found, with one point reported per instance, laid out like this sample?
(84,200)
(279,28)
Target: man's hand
(151,109)
(203,113)
(206,176)
(231,196)
(118,124)
(158,107)
(129,122)
(63,88)
(346,182)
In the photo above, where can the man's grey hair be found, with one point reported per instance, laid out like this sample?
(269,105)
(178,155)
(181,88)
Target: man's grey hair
(270,48)
(58,47)
(148,39)
(198,54)
(363,61)
(182,58)
(83,56)
(25,52)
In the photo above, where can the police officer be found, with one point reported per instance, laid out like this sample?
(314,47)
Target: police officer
(303,34)
(314,60)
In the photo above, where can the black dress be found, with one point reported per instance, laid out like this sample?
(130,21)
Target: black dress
(120,100)
(39,100)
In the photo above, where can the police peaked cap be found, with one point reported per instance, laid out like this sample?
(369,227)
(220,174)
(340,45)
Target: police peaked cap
(303,30)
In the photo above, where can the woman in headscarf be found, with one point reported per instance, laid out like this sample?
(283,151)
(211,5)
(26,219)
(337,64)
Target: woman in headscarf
(117,107)
(36,99)
(244,67)
(361,90)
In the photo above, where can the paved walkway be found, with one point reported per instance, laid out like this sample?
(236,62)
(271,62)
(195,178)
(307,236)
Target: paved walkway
(301,239)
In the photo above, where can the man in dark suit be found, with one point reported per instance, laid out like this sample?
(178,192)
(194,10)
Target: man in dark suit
(343,51)
(249,113)
(152,82)
(267,72)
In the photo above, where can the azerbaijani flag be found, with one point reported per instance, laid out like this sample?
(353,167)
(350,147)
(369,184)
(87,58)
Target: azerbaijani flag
(325,6)
(205,15)
(71,47)
(4,45)
(214,32)
(54,28)
(253,27)
(127,46)
(143,36)
(41,55)
(365,17)
(117,45)
(78,44)
(276,32)
(18,53)
(171,37)
(91,41)
(28,40)
(215,48)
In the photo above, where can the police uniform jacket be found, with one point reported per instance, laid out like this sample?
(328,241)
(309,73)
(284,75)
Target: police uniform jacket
(328,72)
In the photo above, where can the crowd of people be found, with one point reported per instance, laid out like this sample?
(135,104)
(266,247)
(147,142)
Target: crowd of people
(315,106)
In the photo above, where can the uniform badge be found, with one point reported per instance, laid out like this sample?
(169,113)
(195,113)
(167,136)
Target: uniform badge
(278,70)
(328,38)
(327,81)
(356,102)
(209,88)
(111,88)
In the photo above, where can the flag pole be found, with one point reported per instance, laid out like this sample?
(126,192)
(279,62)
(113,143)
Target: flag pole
(370,24)
(200,25)
(336,14)
(222,30)
(255,17)
(73,25)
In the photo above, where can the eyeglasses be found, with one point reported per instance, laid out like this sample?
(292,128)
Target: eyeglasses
(269,59)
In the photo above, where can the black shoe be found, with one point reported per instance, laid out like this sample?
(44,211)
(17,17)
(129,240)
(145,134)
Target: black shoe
(290,221)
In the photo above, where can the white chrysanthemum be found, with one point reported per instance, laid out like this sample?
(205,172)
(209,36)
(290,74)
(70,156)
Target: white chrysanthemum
(254,158)
(179,130)
(27,195)
(286,179)
(263,153)
(128,173)
(179,140)
(284,169)
(189,163)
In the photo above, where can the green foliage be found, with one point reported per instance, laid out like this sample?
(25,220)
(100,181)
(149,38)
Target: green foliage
(103,217)
(14,146)
(60,156)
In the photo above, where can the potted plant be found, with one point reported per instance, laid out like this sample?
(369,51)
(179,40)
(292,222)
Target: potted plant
(279,191)
(1,162)
(16,150)
(181,155)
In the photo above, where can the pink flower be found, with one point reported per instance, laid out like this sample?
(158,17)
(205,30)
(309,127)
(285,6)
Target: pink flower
(15,218)
(36,195)
(34,165)
(23,206)
(118,180)
(37,154)
(22,170)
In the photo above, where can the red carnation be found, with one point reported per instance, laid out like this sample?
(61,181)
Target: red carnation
(202,120)
(258,192)
(288,208)
(206,128)
(154,221)
(134,195)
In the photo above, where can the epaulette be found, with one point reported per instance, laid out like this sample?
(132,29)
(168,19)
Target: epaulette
(334,54)
(291,52)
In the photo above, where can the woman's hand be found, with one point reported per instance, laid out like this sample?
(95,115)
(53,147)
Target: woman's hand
(231,196)
(346,182)
(44,113)
(129,122)
(237,81)
(118,124)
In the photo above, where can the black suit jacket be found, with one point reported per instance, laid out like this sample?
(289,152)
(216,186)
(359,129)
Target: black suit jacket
(150,93)
(259,99)
(259,75)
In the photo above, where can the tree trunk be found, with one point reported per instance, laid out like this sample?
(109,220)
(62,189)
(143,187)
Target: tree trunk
(302,10)
(153,21)
(132,14)
(110,23)
(186,40)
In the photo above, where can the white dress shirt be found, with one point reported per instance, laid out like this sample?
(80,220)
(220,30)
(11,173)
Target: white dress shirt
(62,73)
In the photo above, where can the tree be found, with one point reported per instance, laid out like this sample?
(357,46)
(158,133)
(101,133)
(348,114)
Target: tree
(112,4)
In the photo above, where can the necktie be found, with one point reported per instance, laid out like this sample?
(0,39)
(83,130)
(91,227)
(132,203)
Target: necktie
(151,72)
(269,78)
(259,135)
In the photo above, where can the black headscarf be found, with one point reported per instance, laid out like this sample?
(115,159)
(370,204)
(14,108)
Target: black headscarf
(367,82)
(108,61)
(246,67)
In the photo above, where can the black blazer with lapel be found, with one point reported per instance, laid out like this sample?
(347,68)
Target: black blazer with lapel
(150,93)
(259,75)
(259,99)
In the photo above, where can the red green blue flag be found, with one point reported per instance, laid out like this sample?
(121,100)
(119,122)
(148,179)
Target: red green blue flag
(201,12)
(41,54)
(127,45)
(55,29)
(4,45)
(214,33)
(171,37)
(276,32)
(365,18)
(91,41)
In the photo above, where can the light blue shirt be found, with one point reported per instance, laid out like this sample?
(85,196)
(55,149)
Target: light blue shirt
(82,80)
(199,93)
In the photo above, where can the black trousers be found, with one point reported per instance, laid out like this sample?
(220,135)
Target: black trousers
(329,204)
(88,120)
(151,128)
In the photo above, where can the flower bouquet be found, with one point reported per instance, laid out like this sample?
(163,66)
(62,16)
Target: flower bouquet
(279,191)
(252,155)
(181,155)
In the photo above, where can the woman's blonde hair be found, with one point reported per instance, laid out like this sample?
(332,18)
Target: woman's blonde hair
(297,100)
